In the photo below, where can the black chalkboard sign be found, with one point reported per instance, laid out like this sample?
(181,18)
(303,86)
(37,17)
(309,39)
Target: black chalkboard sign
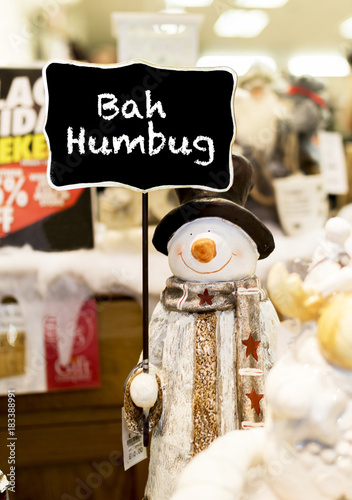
(139,125)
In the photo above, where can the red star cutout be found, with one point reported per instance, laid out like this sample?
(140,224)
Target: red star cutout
(205,298)
(252,346)
(255,400)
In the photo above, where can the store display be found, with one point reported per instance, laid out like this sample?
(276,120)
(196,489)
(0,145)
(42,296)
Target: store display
(31,212)
(333,156)
(48,326)
(12,338)
(329,273)
(141,146)
(157,37)
(301,202)
(120,208)
(304,450)
(71,347)
(281,126)
(212,336)
(263,136)
(309,113)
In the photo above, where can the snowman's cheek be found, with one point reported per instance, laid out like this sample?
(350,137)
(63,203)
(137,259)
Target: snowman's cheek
(237,253)
(176,249)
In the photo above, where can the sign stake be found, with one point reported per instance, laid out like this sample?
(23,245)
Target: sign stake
(145,272)
(145,302)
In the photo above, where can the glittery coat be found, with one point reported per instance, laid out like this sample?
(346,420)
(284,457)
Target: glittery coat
(210,344)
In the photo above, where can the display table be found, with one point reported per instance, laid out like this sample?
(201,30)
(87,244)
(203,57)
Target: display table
(69,443)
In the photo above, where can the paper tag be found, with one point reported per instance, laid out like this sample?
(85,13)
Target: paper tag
(332,162)
(132,443)
(301,202)
(287,332)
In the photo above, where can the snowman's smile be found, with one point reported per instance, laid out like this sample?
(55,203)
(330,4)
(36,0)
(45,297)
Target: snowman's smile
(206,272)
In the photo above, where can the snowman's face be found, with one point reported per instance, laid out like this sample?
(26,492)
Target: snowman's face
(212,249)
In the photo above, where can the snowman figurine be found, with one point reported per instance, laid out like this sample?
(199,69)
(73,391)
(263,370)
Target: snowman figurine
(304,450)
(212,335)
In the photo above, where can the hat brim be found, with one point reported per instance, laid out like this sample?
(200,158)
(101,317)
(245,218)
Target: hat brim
(214,207)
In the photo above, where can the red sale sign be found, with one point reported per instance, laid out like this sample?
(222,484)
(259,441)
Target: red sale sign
(26,197)
(27,202)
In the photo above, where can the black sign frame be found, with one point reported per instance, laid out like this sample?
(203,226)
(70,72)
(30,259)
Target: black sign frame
(86,107)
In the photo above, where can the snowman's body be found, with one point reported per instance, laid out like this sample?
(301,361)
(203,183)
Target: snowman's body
(211,340)
(304,450)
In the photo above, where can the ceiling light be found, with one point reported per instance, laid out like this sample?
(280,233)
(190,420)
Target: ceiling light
(188,3)
(260,4)
(240,64)
(319,65)
(346,28)
(173,10)
(241,23)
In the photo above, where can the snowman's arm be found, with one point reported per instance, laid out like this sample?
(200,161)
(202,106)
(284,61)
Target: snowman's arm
(144,391)
(157,332)
(142,396)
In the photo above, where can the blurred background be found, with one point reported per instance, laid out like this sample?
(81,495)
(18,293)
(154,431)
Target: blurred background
(75,258)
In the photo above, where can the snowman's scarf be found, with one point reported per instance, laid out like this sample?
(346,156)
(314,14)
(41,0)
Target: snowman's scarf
(205,299)
(194,297)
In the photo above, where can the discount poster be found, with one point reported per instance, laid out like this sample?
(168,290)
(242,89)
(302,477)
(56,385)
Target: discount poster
(31,212)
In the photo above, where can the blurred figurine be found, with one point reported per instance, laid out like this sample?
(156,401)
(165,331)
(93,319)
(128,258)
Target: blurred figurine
(305,449)
(212,334)
(329,272)
(120,208)
(262,136)
(4,485)
(309,114)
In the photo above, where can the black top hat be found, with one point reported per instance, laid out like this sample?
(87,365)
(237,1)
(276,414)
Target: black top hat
(228,205)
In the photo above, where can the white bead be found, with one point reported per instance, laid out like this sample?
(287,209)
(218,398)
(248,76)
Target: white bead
(348,435)
(344,464)
(343,447)
(144,390)
(337,230)
(328,455)
(313,448)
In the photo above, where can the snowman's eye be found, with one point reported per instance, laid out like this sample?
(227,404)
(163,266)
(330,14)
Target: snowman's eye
(190,234)
(208,230)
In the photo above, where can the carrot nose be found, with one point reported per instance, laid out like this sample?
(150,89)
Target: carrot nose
(203,250)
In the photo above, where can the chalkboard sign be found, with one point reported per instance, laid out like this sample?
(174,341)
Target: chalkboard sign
(139,126)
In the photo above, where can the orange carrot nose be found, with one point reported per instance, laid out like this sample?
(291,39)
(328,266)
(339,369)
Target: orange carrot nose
(204,250)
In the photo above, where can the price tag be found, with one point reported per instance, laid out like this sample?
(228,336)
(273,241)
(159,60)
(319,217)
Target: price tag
(287,333)
(133,449)
(332,162)
(301,202)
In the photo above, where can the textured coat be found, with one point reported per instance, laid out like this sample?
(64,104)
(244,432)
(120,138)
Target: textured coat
(211,344)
